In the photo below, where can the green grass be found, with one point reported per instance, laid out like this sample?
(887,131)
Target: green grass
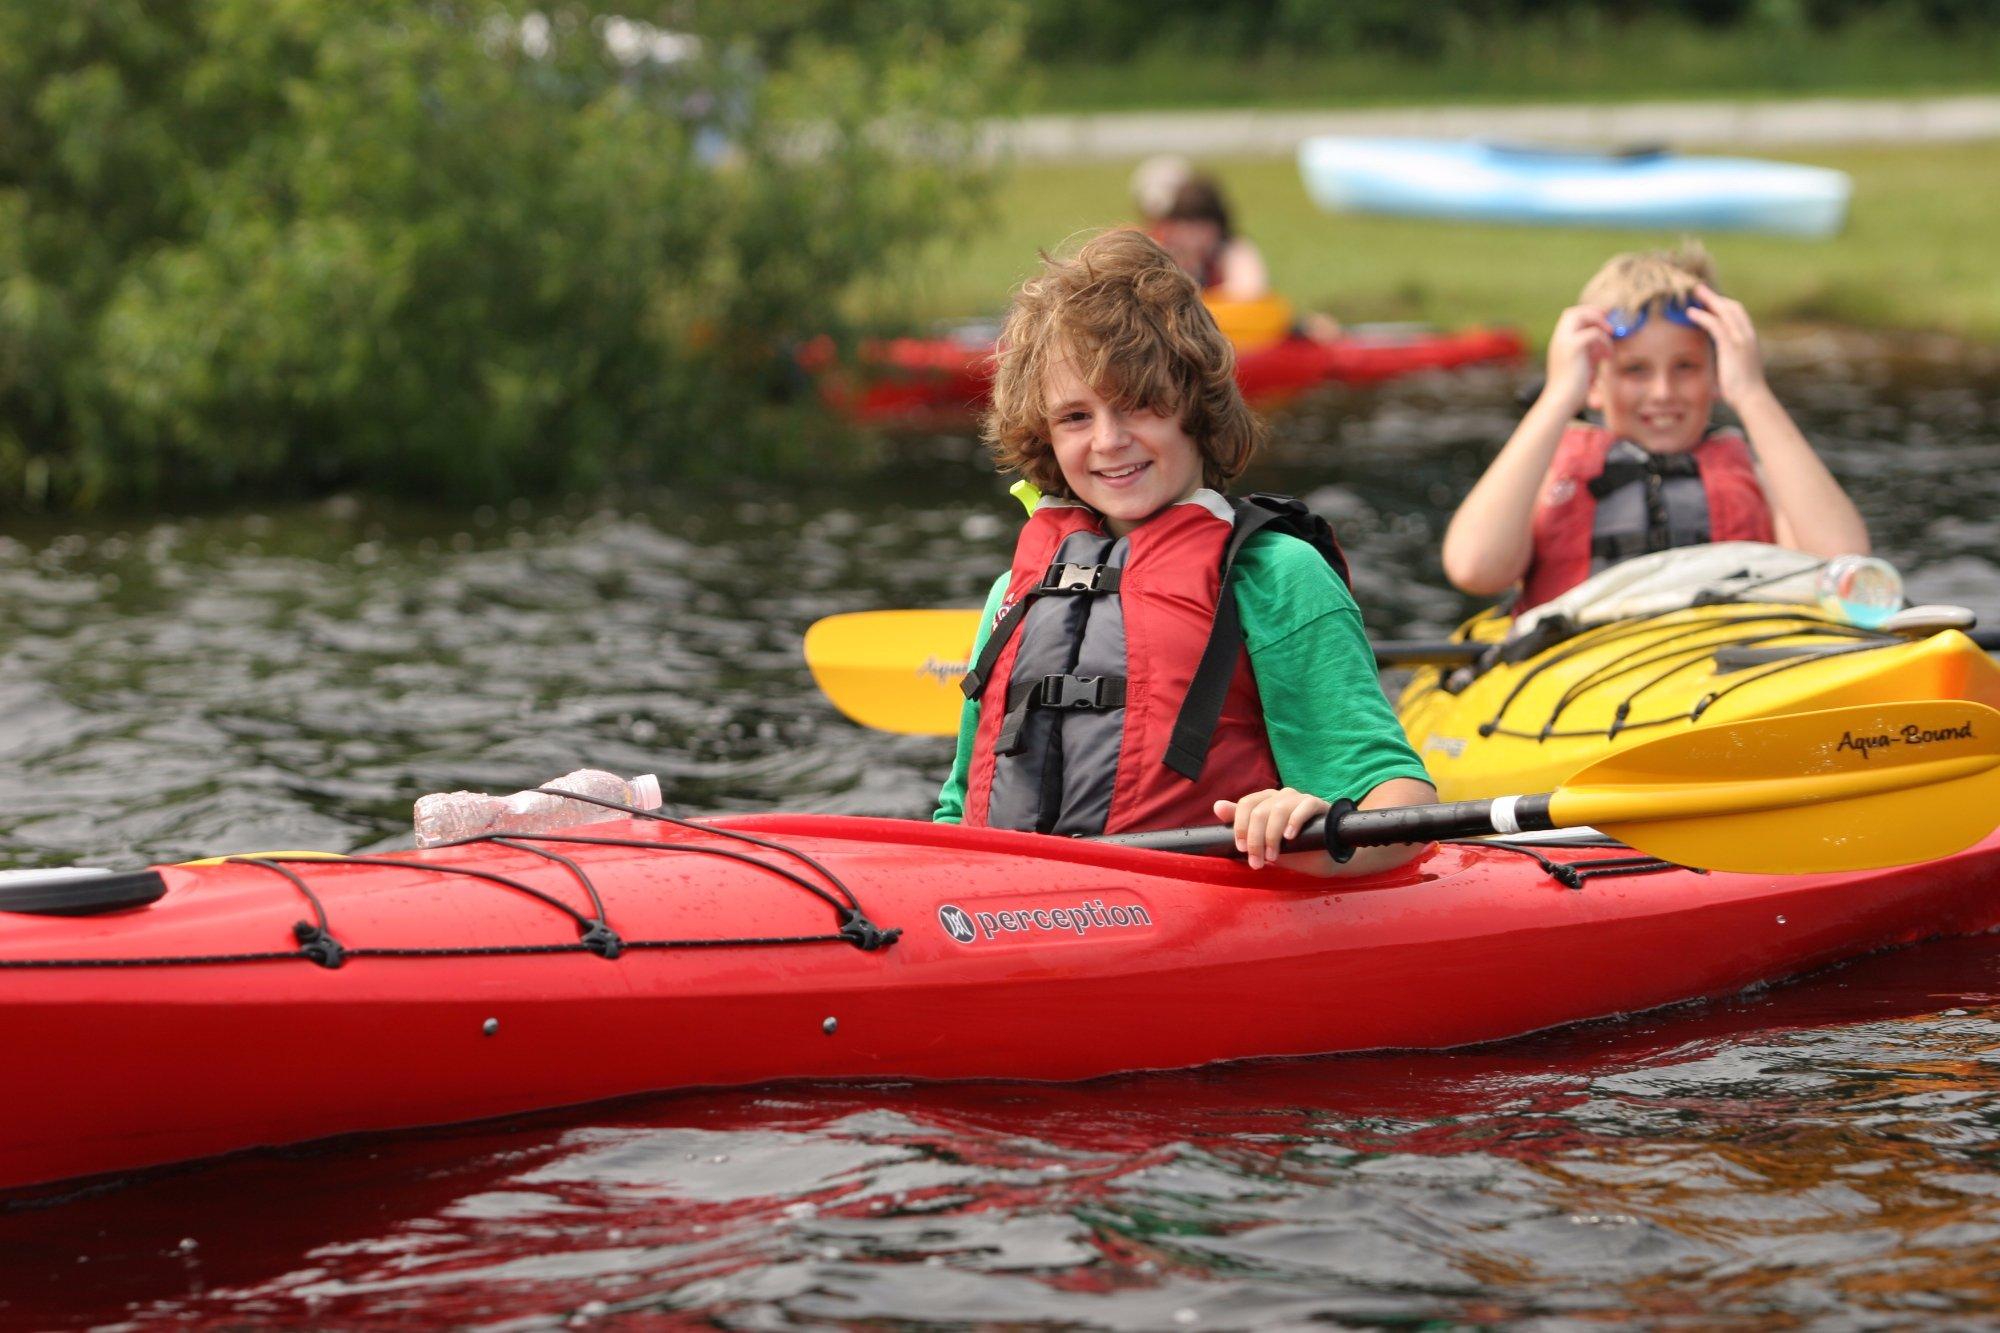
(1918,252)
(1526,63)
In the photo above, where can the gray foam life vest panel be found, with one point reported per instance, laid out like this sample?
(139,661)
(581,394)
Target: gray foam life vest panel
(1061,776)
(1646,502)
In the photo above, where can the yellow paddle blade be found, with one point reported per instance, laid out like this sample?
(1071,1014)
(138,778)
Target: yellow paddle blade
(883,668)
(1839,789)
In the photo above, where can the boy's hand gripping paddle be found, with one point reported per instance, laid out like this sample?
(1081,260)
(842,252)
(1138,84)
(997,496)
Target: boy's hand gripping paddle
(1840,789)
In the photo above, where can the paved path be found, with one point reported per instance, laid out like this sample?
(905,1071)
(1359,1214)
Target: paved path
(1680,124)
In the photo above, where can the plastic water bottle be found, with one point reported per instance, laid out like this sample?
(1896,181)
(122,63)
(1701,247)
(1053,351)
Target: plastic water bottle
(1860,589)
(449,816)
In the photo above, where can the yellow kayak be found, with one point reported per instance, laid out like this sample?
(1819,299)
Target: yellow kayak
(1533,713)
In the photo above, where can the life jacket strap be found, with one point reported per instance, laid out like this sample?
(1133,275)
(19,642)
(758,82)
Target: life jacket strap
(1622,472)
(1080,692)
(974,680)
(1062,693)
(1061,579)
(1646,502)
(1064,578)
(1616,548)
(1194,728)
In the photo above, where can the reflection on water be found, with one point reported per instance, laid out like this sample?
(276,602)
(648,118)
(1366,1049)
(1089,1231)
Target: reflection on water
(1827,1153)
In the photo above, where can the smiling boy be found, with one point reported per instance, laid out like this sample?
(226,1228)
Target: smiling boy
(1650,346)
(1158,655)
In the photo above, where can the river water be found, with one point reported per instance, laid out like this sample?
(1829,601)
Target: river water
(1824,1153)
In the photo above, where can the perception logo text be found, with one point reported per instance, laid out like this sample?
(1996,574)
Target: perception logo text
(1080,919)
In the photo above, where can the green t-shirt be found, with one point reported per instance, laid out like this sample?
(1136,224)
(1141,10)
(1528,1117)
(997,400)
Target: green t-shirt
(1331,729)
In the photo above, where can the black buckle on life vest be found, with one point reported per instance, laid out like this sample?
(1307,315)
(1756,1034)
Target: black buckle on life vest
(1616,548)
(1070,693)
(1080,692)
(1619,473)
(1080,578)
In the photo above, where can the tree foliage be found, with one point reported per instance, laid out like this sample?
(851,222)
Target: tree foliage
(1061,30)
(462,247)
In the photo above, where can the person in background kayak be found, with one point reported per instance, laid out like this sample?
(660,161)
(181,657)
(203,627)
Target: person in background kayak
(1194,227)
(1650,346)
(1088,710)
(1196,231)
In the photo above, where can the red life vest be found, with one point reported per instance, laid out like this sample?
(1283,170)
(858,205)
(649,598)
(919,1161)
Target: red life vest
(1210,276)
(1082,739)
(1571,543)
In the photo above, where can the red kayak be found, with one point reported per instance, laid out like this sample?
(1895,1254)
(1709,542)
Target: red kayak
(920,382)
(268,1000)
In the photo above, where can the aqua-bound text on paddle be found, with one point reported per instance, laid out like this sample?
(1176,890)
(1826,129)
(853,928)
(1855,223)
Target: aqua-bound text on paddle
(944,673)
(1911,735)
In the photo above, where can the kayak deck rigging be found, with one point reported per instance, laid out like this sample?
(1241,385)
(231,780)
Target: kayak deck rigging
(1675,642)
(1666,644)
(318,943)
(1573,874)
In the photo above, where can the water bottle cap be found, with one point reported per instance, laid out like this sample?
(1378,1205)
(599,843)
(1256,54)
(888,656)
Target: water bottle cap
(646,792)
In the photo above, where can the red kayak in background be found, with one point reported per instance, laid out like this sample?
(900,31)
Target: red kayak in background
(197,1009)
(922,382)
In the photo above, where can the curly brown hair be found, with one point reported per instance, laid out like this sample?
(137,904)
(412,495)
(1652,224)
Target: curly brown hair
(1133,326)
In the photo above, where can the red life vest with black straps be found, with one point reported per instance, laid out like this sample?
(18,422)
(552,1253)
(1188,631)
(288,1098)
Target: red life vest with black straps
(1606,500)
(1090,720)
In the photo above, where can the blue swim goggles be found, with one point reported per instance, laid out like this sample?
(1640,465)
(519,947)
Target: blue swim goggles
(1625,323)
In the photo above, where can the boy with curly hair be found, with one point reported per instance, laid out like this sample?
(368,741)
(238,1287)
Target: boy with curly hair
(1157,655)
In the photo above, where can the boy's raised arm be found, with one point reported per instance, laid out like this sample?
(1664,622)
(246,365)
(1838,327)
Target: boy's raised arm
(1489,542)
(1809,510)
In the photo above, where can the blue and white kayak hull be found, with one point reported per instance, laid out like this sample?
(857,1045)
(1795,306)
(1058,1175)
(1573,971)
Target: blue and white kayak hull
(1486,182)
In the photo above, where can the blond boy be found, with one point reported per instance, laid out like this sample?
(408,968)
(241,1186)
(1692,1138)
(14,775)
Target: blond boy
(1650,346)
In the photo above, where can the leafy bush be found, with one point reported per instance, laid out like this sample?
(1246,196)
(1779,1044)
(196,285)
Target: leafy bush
(1066,30)
(462,247)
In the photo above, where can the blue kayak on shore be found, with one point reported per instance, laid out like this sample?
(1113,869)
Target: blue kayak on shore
(1488,182)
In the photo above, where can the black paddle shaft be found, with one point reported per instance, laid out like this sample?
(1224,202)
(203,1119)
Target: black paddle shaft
(1356,828)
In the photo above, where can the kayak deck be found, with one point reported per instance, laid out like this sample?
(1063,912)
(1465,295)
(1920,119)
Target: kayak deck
(1528,725)
(202,1024)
